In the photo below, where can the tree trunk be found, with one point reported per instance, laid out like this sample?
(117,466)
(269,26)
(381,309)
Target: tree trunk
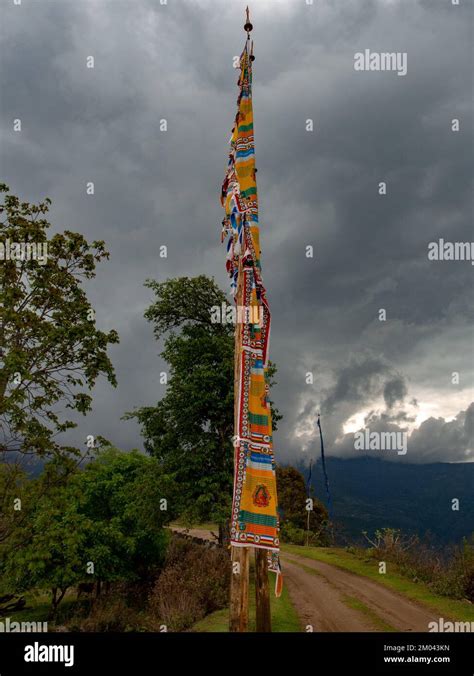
(55,601)
(224,534)
(54,604)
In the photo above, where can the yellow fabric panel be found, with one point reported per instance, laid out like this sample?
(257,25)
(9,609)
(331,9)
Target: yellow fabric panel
(257,388)
(247,496)
(256,406)
(245,172)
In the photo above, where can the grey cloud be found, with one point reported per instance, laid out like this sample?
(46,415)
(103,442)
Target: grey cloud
(394,391)
(356,383)
(154,188)
(439,440)
(435,440)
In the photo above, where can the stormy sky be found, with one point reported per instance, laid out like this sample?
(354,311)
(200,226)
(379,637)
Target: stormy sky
(319,188)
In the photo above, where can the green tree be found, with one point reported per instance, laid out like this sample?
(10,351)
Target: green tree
(46,548)
(129,500)
(103,523)
(12,497)
(51,352)
(190,429)
(292,496)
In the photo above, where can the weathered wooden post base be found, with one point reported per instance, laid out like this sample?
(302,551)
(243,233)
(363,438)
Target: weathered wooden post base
(239,590)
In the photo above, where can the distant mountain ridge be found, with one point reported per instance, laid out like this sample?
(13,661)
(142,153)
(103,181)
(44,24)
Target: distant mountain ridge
(369,493)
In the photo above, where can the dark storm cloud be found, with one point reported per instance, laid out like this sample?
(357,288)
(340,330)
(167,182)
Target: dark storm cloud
(394,391)
(319,189)
(356,383)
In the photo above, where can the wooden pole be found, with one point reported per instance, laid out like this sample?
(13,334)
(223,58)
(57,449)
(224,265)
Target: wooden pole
(262,593)
(239,590)
(307,527)
(239,580)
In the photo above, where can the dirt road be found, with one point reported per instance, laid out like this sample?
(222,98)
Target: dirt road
(331,599)
(327,598)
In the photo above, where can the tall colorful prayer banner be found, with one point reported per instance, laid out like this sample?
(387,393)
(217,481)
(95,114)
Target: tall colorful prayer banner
(254,521)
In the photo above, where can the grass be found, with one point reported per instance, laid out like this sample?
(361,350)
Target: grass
(38,605)
(452,609)
(284,617)
(371,615)
(217,621)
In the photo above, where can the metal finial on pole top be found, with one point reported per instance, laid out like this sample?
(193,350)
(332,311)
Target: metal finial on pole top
(248,26)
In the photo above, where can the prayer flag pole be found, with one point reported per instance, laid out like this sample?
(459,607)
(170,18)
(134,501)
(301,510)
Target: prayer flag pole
(254,521)
(239,581)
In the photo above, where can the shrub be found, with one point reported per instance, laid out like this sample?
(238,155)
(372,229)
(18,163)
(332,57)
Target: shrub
(450,573)
(291,534)
(194,582)
(108,614)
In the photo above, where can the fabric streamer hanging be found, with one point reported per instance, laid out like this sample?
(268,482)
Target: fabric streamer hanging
(254,521)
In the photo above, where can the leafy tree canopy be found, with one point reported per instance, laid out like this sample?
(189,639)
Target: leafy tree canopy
(190,429)
(51,352)
(111,515)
